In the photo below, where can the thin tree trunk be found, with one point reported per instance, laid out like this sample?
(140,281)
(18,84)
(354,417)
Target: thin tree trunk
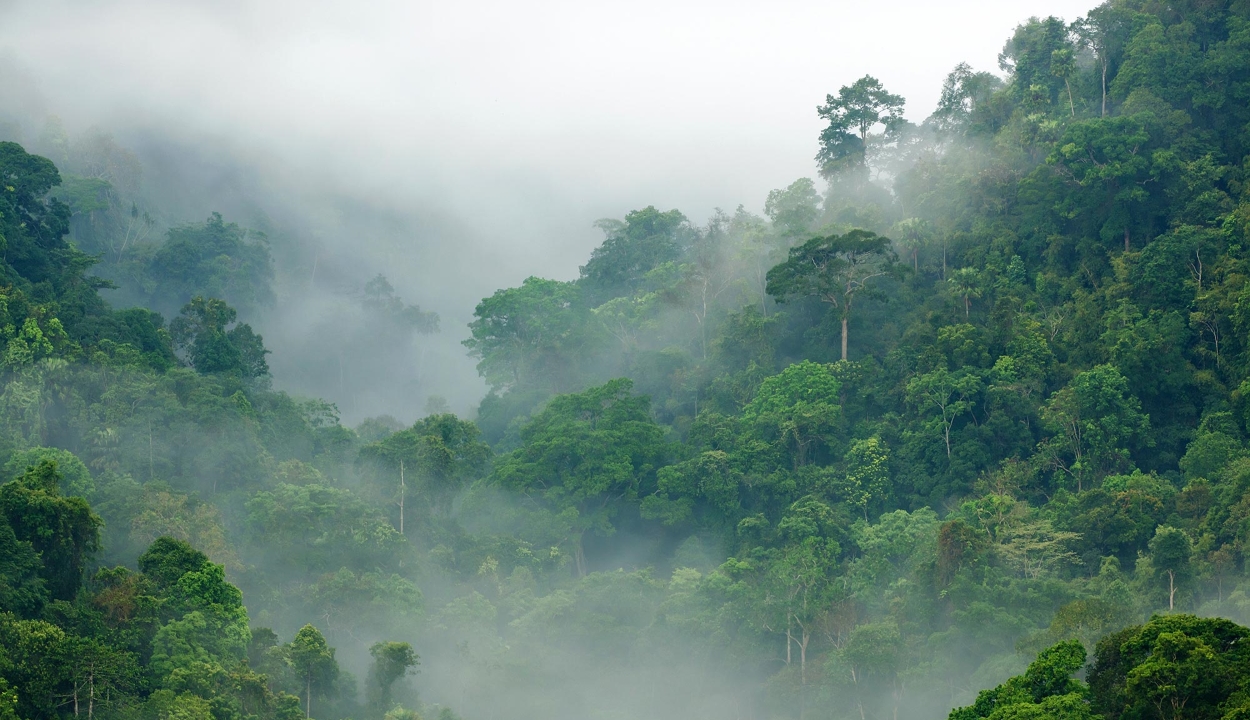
(803,658)
(1071,105)
(844,337)
(1171,590)
(1126,240)
(702,327)
(579,557)
(308,696)
(1104,87)
(858,700)
(401,497)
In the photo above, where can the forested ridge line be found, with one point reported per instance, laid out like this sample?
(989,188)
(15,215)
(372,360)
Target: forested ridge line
(961,424)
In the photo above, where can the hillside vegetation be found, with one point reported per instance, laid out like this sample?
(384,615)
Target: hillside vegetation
(962,422)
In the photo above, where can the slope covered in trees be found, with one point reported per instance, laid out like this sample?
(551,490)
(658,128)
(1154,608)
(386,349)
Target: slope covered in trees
(981,396)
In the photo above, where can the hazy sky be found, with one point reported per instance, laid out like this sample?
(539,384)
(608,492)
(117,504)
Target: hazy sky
(527,120)
(482,139)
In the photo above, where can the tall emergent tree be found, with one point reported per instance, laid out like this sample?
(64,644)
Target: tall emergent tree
(314,663)
(852,114)
(833,269)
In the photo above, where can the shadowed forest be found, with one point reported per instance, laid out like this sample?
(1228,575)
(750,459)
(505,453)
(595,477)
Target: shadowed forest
(958,428)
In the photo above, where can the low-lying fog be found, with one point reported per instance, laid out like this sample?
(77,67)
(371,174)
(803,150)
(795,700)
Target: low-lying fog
(458,147)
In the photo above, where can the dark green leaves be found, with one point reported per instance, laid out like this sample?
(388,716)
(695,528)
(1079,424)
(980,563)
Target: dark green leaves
(832,268)
(63,530)
(852,113)
(528,334)
(647,239)
(201,332)
(585,456)
(214,259)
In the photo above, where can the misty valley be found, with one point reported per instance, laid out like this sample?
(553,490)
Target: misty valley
(957,428)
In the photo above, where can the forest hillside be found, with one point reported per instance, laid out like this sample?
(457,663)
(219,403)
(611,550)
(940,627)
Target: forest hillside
(957,427)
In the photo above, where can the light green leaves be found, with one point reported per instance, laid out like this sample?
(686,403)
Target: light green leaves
(945,396)
(798,410)
(1094,420)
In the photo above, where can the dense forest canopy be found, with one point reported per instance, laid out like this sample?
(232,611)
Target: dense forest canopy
(960,429)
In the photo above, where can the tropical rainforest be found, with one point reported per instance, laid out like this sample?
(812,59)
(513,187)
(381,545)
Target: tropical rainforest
(959,429)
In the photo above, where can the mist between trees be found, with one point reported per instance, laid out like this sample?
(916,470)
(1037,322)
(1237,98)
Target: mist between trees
(958,429)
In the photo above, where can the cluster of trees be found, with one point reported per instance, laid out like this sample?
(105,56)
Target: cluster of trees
(1174,666)
(986,392)
(170,640)
(168,636)
(349,326)
(983,397)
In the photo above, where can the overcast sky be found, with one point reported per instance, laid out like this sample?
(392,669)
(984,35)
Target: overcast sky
(595,107)
(486,136)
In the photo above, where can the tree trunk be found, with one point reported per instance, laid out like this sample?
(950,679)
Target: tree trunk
(858,699)
(1126,242)
(844,337)
(789,638)
(1171,590)
(579,557)
(1071,105)
(702,328)
(1104,87)
(308,696)
(803,658)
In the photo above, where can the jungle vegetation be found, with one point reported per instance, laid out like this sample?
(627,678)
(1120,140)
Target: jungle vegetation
(962,425)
